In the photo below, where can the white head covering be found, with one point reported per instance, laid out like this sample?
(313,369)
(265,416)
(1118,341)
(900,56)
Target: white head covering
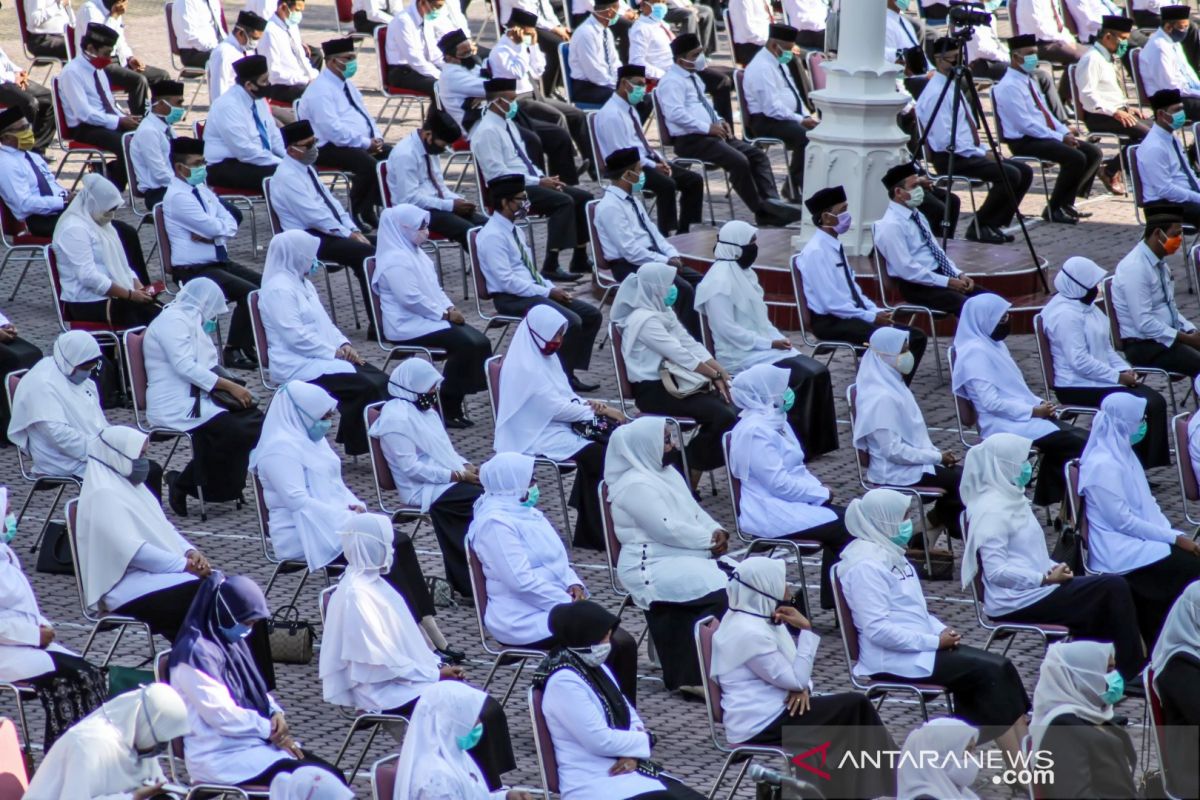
(746,634)
(635,456)
(1180,632)
(1072,680)
(46,395)
(431,755)
(98,756)
(1077,276)
(200,300)
(505,478)
(1108,460)
(396,250)
(883,402)
(980,357)
(726,278)
(289,258)
(370,636)
(944,736)
(115,518)
(17,600)
(97,197)
(873,520)
(533,386)
(758,391)
(640,298)
(296,406)
(995,504)
(308,783)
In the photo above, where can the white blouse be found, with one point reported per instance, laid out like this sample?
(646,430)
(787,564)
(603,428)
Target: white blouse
(302,340)
(1002,413)
(1013,569)
(895,462)
(780,496)
(151,570)
(293,492)
(663,336)
(419,481)
(173,366)
(1121,541)
(558,440)
(896,632)
(1080,345)
(21,656)
(753,694)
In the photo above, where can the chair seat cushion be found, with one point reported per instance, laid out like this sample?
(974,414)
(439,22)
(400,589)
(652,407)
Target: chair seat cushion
(28,239)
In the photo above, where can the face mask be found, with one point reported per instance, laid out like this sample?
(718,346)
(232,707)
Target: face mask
(640,183)
(1178,120)
(1024,476)
(1115,690)
(748,256)
(432,15)
(197,175)
(472,738)
(141,469)
(421,236)
(317,431)
(255,90)
(79,376)
(1122,48)
(309,156)
(906,363)
(104,218)
(672,296)
(532,496)
(903,4)
(593,656)
(843,223)
(636,95)
(522,210)
(10,528)
(100,62)
(1172,244)
(314,268)
(26,139)
(789,399)
(700,64)
(235,632)
(174,115)
(1139,434)
(613,20)
(546,346)
(964,774)
(903,533)
(658,11)
(1002,331)
(351,69)
(1091,296)
(210,326)
(1178,36)
(527,40)
(512,109)
(294,18)
(785,57)
(916,196)
(425,401)
(468,62)
(1029,63)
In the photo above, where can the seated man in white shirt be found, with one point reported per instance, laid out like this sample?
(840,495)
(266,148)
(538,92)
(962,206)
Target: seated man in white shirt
(16,90)
(970,156)
(414,62)
(774,101)
(618,126)
(1165,173)
(242,144)
(199,229)
(370,14)
(243,39)
(1148,15)
(1029,129)
(414,175)
(516,286)
(915,260)
(1089,19)
(593,58)
(1163,64)
(1044,19)
(47,31)
(1153,332)
(628,239)
(651,46)
(198,29)
(808,17)
(126,71)
(988,57)
(904,41)
(837,306)
(551,33)
(1106,108)
(292,64)
(749,21)
(460,86)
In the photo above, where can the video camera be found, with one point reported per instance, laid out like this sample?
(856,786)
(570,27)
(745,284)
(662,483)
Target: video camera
(969,15)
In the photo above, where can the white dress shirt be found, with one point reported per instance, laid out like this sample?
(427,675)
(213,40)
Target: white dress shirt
(82,102)
(150,151)
(261,7)
(780,496)
(231,131)
(663,336)
(806,15)
(1163,65)
(1080,344)
(419,480)
(827,278)
(1164,169)
(304,203)
(507,261)
(287,64)
(338,113)
(1013,568)
(498,150)
(8,68)
(681,100)
(618,126)
(986,45)
(1044,19)
(907,251)
(456,86)
(899,35)
(626,231)
(754,693)
(303,341)
(174,364)
(380,12)
(770,90)
(185,214)
(19,184)
(1143,293)
(409,43)
(1023,110)
(94,11)
(650,46)
(1150,5)
(1087,15)
(47,16)
(197,23)
(415,177)
(896,632)
(542,9)
(966,140)
(750,20)
(219,68)
(1119,540)
(593,56)
(520,62)
(81,269)
(411,310)
(1100,91)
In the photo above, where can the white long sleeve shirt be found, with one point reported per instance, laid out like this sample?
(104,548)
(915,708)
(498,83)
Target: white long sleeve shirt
(81,269)
(1044,19)
(408,42)
(303,339)
(304,203)
(1013,569)
(1163,65)
(593,56)
(750,20)
(457,86)
(47,16)
(1080,345)
(1164,170)
(173,366)
(507,261)
(419,481)
(198,23)
(94,11)
(770,90)
(287,64)
(753,694)
(829,285)
(780,497)
(986,45)
(1120,540)
(185,214)
(1143,293)
(1100,91)
(627,232)
(966,139)
(150,151)
(650,46)
(662,337)
(152,569)
(1087,15)
(1023,110)
(896,462)
(414,176)
(86,96)
(498,150)
(908,252)
(232,132)
(19,185)
(1003,408)
(409,310)
(806,15)
(681,100)
(899,35)
(220,67)
(520,62)
(337,112)
(543,9)
(617,126)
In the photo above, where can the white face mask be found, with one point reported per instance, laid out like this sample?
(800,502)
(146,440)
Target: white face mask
(595,655)
(905,363)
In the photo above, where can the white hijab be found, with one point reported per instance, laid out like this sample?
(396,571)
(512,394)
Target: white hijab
(308,783)
(744,633)
(17,600)
(296,406)
(97,197)
(397,250)
(882,401)
(1108,460)
(1072,680)
(641,298)
(872,520)
(98,755)
(635,456)
(46,395)
(759,393)
(980,357)
(996,506)
(200,300)
(1180,632)
(289,258)
(944,736)
(726,278)
(505,478)
(115,518)
(533,386)
(431,755)
(370,636)
(1076,276)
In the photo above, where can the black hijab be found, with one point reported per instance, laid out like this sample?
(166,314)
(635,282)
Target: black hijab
(581,625)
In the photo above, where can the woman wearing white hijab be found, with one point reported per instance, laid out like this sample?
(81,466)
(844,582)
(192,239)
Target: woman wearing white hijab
(651,337)
(68,686)
(525,564)
(1176,664)
(1127,532)
(98,282)
(416,311)
(1006,547)
(765,675)
(15,354)
(1086,367)
(303,344)
(732,300)
(427,470)
(1092,756)
(308,783)
(538,413)
(780,497)
(435,761)
(888,424)
(308,502)
(374,656)
(182,372)
(985,373)
(669,545)
(950,776)
(113,752)
(900,639)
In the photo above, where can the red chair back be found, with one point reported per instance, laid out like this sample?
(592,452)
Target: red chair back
(385,191)
(1078,504)
(845,619)
(1135,61)
(739,75)
(345,11)
(135,343)
(735,483)
(383,473)
(376,303)
(164,240)
(966,409)
(276,225)
(816,69)
(545,745)
(494,366)
(13,228)
(383,777)
(664,135)
(619,362)
(481,290)
(260,333)
(597,251)
(1046,362)
(863,456)
(11,381)
(1187,472)
(478,583)
(706,630)
(13,778)
(172,39)
(801,299)
(1014,17)
(1110,309)
(60,113)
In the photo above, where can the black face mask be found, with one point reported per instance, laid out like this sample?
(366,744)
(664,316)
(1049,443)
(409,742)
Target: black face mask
(749,255)
(432,149)
(1002,331)
(469,62)
(1091,296)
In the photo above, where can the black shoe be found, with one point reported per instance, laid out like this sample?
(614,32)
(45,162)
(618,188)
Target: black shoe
(449,656)
(176,498)
(560,274)
(237,358)
(1076,213)
(459,422)
(579,385)
(1058,215)
(984,234)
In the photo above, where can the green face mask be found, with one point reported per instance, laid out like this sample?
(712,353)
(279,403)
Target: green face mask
(904,533)
(174,115)
(636,95)
(1138,434)
(210,326)
(531,500)
(1024,476)
(472,738)
(1122,48)
(351,69)
(197,175)
(789,399)
(785,57)
(671,296)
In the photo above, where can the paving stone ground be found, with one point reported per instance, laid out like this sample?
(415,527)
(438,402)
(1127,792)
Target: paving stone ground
(231,540)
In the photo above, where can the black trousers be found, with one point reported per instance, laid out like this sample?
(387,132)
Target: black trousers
(1096,607)
(939,298)
(1157,586)
(493,754)
(718,85)
(354,391)
(555,149)
(350,253)
(672,788)
(548,42)
(795,139)
(934,210)
(1077,166)
(743,52)
(34,102)
(53,45)
(237,282)
(997,209)
(686,281)
(287,766)
(811,40)
(136,84)
(1057,449)
(402,76)
(679,198)
(14,355)
(589,471)
(1179,357)
(671,626)
(110,142)
(748,167)
(1064,53)
(285,92)
(700,20)
(588,92)
(857,331)
(451,516)
(709,409)
(567,227)
(833,537)
(1103,123)
(1152,451)
(234,174)
(190,57)
(813,417)
(466,350)
(561,115)
(364,188)
(115,311)
(583,325)
(221,449)
(947,507)
(454,227)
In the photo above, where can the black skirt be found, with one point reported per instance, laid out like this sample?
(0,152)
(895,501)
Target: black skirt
(813,416)
(671,627)
(221,455)
(68,693)
(451,515)
(589,471)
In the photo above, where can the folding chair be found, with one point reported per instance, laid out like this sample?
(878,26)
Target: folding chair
(261,345)
(106,335)
(1114,333)
(1076,507)
(547,760)
(1077,105)
(137,198)
(495,319)
(764,143)
(283,566)
(1188,485)
(49,62)
(564,63)
(402,99)
(612,556)
(602,277)
(383,777)
(381,473)
(1046,363)
(1135,64)
(436,240)
(1161,732)
(22,693)
(832,346)
(197,76)
(72,150)
(393,350)
(965,414)
(19,243)
(892,301)
(664,136)
(501,653)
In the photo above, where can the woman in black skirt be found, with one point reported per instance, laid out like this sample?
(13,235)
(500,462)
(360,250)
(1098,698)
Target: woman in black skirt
(1176,666)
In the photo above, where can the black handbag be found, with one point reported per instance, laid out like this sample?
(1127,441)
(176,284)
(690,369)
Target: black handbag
(597,429)
(1069,550)
(55,556)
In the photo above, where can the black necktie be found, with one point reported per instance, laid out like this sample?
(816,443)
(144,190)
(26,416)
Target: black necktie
(850,280)
(320,189)
(361,113)
(517,146)
(222,250)
(429,171)
(637,212)
(108,106)
(787,79)
(637,127)
(712,115)
(213,16)
(43,185)
(1183,164)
